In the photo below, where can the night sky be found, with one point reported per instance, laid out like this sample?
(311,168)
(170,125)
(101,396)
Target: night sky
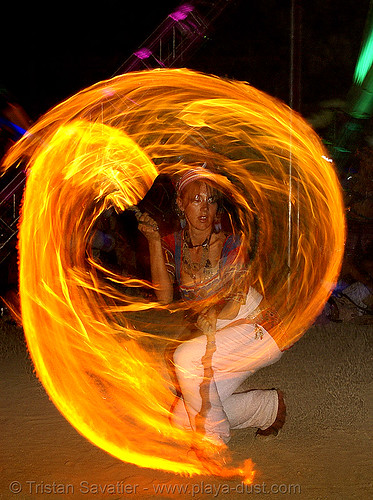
(50,53)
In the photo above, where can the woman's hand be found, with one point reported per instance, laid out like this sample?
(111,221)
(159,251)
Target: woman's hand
(148,227)
(206,320)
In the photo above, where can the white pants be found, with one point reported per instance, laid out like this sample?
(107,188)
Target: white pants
(208,402)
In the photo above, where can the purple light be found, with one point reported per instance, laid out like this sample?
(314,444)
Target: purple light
(143,53)
(182,12)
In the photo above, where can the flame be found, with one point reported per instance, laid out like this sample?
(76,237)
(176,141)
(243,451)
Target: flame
(102,149)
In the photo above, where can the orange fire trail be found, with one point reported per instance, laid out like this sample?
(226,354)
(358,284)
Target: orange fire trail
(102,149)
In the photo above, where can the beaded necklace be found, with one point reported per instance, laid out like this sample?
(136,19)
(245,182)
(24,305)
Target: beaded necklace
(190,266)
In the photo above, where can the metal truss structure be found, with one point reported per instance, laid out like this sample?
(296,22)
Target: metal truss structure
(10,203)
(176,37)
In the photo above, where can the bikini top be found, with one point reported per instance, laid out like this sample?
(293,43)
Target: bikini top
(230,256)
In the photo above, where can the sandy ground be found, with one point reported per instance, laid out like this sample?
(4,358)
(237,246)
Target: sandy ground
(323,452)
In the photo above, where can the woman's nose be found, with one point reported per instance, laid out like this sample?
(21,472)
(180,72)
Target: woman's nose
(204,206)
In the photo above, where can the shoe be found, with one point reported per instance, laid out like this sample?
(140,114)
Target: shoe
(273,429)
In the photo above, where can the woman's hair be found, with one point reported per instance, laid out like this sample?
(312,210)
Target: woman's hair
(199,175)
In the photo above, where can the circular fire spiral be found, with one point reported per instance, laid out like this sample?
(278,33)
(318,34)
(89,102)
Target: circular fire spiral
(102,149)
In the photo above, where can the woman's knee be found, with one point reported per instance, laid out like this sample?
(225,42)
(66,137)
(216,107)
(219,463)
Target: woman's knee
(188,354)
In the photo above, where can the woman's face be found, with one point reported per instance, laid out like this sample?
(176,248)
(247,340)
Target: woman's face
(199,204)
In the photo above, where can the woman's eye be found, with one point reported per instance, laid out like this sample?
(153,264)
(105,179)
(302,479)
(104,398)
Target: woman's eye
(198,199)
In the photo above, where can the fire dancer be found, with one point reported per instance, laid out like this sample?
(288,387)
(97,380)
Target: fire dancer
(206,263)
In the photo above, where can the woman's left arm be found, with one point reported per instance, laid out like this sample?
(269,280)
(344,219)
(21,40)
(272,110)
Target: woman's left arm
(224,310)
(229,310)
(232,271)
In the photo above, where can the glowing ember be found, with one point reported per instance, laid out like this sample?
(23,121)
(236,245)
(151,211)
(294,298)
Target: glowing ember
(103,148)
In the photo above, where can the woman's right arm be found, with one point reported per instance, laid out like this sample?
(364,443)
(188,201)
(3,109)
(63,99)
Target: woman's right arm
(160,276)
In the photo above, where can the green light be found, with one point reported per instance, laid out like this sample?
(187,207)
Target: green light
(366,54)
(365,60)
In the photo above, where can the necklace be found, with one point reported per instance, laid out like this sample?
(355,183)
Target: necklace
(190,266)
(188,241)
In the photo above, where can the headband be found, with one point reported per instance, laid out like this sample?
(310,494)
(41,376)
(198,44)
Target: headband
(195,174)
